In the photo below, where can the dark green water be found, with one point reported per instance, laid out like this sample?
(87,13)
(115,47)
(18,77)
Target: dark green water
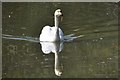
(93,55)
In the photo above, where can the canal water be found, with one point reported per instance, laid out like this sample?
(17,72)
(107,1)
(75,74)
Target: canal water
(90,49)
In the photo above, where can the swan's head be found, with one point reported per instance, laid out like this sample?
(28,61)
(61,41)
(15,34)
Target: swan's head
(58,72)
(58,13)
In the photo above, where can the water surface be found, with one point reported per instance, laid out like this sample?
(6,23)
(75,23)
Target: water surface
(92,51)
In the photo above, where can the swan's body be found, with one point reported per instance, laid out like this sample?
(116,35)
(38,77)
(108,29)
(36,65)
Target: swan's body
(49,34)
(53,34)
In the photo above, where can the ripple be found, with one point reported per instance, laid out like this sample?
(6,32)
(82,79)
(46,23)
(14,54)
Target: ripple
(67,38)
(25,38)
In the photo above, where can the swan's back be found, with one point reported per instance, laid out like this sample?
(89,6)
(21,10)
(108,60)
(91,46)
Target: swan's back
(48,32)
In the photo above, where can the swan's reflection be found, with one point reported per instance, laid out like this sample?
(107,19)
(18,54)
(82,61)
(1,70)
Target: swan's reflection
(56,47)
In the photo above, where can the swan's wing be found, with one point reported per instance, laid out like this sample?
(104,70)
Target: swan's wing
(46,32)
(61,34)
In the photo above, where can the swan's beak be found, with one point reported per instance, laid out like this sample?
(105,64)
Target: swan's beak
(61,17)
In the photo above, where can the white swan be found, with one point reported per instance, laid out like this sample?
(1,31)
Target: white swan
(53,34)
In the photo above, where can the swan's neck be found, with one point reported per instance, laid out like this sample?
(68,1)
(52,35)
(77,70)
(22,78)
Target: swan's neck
(56,21)
(57,38)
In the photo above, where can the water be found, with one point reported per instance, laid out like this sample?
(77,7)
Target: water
(91,49)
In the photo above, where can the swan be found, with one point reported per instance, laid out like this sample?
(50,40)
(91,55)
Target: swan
(53,34)
(47,48)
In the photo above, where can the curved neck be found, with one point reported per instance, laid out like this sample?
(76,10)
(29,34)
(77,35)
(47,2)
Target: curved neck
(57,38)
(56,21)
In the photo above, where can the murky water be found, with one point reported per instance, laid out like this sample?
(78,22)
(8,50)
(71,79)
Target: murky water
(90,52)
